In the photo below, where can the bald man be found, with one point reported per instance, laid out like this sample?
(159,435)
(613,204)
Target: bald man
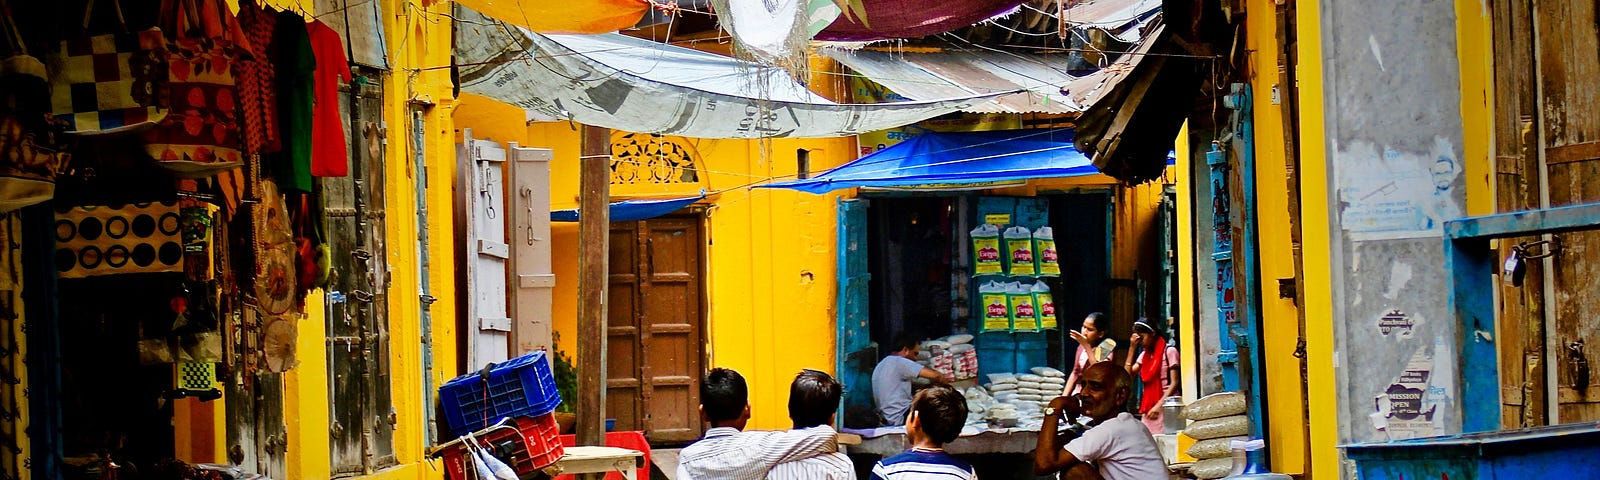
(1116,447)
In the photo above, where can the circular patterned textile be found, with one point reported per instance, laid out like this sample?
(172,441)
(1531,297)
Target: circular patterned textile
(120,239)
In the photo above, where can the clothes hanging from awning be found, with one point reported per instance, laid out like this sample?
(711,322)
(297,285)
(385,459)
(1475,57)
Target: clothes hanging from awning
(637,85)
(945,161)
(632,210)
(565,16)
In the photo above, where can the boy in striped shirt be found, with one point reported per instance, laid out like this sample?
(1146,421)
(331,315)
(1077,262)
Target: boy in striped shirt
(937,415)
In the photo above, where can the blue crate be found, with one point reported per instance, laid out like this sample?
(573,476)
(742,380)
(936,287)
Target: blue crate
(520,387)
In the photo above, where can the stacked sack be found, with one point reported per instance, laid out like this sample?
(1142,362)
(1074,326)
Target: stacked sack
(1218,420)
(1051,381)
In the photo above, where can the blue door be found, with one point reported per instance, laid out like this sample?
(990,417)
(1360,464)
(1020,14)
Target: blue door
(856,353)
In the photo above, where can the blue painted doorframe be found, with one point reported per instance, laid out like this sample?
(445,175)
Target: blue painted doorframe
(1471,263)
(855,354)
(1238,266)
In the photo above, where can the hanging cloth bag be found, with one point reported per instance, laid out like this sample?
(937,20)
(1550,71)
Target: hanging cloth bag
(200,135)
(30,150)
(109,83)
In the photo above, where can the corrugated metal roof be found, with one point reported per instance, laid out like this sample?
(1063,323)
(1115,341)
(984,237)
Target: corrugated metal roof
(1110,14)
(928,76)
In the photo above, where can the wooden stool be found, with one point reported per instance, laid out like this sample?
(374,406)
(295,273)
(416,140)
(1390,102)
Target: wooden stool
(580,460)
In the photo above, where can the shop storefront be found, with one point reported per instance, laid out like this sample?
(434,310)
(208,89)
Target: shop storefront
(193,193)
(989,247)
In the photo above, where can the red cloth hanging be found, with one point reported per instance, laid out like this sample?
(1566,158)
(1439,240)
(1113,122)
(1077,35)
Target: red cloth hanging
(912,18)
(329,155)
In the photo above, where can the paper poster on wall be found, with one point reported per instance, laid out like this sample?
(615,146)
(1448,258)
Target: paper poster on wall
(1397,323)
(1386,193)
(1418,401)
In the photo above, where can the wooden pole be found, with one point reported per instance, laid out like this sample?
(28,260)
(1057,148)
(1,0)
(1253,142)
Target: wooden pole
(594,233)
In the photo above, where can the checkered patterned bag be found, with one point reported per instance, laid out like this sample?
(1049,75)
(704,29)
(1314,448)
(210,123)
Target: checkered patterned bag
(112,82)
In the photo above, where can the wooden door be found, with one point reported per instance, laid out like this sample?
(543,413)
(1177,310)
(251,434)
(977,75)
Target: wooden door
(656,346)
(1547,154)
(360,404)
(483,203)
(1568,37)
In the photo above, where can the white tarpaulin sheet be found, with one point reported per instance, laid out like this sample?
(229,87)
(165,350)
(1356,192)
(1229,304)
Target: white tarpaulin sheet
(636,85)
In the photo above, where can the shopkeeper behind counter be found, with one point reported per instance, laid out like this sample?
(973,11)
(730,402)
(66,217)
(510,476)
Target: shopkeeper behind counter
(891,380)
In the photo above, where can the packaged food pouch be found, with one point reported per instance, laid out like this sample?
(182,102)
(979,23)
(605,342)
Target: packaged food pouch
(1019,251)
(996,307)
(1024,314)
(1044,248)
(1045,304)
(986,251)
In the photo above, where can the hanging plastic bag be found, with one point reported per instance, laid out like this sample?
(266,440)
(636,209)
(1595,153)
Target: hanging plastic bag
(996,307)
(1045,303)
(498,469)
(1019,251)
(1044,247)
(479,467)
(986,251)
(1024,314)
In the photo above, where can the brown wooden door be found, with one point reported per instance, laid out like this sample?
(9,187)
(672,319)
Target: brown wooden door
(656,343)
(1548,155)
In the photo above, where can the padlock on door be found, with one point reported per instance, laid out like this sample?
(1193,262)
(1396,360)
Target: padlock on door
(1515,268)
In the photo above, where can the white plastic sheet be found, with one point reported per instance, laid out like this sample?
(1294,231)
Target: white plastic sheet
(636,85)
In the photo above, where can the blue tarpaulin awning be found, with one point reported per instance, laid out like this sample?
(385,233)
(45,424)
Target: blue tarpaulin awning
(631,210)
(937,160)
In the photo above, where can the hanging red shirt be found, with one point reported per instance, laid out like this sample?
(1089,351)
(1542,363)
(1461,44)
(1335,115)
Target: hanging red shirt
(329,155)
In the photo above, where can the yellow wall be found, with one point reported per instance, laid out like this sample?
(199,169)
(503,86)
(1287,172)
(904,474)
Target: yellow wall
(1315,244)
(1475,51)
(770,258)
(1279,316)
(418,38)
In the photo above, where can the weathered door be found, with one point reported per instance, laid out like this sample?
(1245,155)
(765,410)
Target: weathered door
(357,299)
(484,207)
(656,346)
(1548,155)
(856,356)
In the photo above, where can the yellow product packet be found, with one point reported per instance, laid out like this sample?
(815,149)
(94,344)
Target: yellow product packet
(1024,314)
(1019,252)
(1044,248)
(986,250)
(1046,305)
(996,310)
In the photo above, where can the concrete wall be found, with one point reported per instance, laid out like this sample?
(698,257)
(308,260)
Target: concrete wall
(1392,98)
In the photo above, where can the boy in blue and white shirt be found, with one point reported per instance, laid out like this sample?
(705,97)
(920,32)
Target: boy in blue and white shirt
(937,415)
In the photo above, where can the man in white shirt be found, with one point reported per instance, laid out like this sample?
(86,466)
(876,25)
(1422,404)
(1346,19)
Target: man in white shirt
(1116,447)
(891,381)
(813,399)
(727,452)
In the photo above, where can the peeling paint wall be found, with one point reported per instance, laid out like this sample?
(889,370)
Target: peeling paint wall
(1394,147)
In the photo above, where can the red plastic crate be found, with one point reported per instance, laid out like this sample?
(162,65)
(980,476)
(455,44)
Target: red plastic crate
(527,444)
(628,440)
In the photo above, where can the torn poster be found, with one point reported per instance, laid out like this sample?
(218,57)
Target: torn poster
(1387,194)
(1420,402)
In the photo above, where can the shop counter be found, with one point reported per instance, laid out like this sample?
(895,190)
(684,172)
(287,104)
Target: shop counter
(890,441)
